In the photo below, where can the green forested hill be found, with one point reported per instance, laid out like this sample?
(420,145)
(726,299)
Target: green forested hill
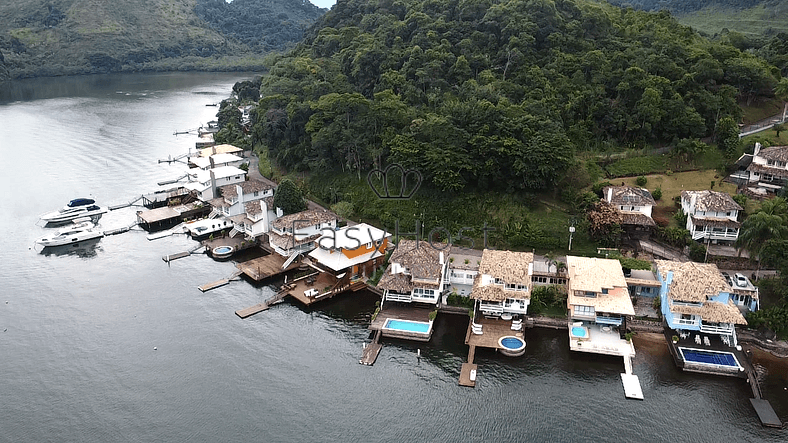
(60,37)
(749,17)
(493,94)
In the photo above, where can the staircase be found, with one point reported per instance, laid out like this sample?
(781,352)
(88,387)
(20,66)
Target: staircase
(234,232)
(214,213)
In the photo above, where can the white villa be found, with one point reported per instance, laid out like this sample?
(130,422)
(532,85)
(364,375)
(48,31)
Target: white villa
(503,286)
(598,303)
(296,233)
(768,171)
(206,182)
(711,216)
(416,273)
(215,161)
(635,206)
(463,269)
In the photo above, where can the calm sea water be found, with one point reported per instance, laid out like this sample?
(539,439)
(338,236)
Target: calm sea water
(79,326)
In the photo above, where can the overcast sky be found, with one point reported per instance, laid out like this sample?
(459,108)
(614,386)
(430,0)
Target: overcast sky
(323,3)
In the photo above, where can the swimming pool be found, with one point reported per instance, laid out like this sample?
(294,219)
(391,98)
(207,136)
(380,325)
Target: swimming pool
(512,346)
(407,326)
(578,332)
(702,356)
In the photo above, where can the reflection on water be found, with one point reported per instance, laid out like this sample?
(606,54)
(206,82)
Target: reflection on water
(83,249)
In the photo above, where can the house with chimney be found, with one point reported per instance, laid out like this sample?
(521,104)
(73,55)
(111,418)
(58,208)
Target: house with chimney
(206,182)
(635,206)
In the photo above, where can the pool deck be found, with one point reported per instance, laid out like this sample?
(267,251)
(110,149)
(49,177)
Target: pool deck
(600,341)
(493,329)
(716,345)
(396,311)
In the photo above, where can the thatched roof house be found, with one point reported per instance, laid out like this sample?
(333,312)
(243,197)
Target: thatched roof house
(698,283)
(502,275)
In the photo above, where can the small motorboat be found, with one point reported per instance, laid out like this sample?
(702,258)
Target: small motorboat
(77,208)
(204,228)
(81,231)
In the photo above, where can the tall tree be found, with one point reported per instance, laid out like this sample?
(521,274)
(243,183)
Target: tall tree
(288,198)
(758,230)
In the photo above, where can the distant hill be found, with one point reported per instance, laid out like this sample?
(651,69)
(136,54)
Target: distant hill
(749,17)
(63,37)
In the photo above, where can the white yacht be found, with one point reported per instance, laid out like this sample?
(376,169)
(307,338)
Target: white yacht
(79,207)
(81,231)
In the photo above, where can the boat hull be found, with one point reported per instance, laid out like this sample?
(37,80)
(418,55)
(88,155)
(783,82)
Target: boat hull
(62,240)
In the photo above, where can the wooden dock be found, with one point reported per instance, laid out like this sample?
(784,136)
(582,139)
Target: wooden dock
(265,267)
(260,307)
(219,283)
(766,413)
(371,351)
(468,370)
(169,258)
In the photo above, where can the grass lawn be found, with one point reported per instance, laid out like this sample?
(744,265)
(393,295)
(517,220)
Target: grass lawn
(760,110)
(672,185)
(769,136)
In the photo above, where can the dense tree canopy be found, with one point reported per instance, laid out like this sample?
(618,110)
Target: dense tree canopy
(495,95)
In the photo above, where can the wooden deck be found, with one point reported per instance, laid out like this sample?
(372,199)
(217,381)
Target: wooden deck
(765,413)
(265,267)
(465,370)
(371,351)
(492,331)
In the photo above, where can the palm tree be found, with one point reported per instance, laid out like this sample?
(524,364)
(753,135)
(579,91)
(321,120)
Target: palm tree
(757,230)
(781,91)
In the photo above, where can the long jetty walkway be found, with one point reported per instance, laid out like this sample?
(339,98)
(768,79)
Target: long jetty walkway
(252,310)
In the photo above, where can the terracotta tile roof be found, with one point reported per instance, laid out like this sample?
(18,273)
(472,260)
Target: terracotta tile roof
(714,221)
(248,187)
(310,217)
(253,207)
(628,195)
(395,282)
(713,312)
(636,218)
(765,169)
(711,201)
(421,259)
(692,282)
(778,153)
(511,267)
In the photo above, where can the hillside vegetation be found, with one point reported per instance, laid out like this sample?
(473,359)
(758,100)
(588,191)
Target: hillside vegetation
(62,37)
(751,17)
(487,95)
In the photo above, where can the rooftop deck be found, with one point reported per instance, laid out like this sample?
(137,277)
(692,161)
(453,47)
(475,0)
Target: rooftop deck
(715,344)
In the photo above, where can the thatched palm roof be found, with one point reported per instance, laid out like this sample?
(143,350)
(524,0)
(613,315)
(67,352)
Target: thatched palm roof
(714,201)
(511,267)
(713,312)
(692,282)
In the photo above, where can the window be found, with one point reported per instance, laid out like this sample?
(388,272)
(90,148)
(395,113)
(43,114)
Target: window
(604,290)
(589,294)
(509,287)
(584,310)
(521,288)
(498,281)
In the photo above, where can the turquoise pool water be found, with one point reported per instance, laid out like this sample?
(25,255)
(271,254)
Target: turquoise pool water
(578,331)
(512,343)
(409,326)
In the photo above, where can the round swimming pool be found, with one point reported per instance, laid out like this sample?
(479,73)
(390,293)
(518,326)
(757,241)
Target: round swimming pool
(222,252)
(579,332)
(512,346)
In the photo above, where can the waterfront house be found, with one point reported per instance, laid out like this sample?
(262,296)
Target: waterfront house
(297,233)
(598,304)
(206,182)
(233,198)
(699,313)
(712,217)
(416,273)
(220,149)
(548,272)
(635,206)
(463,269)
(503,286)
(355,251)
(214,161)
(766,171)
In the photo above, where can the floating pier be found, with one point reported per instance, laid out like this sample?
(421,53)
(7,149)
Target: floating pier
(631,381)
(169,258)
(468,370)
(125,205)
(169,182)
(120,230)
(371,351)
(219,283)
(260,307)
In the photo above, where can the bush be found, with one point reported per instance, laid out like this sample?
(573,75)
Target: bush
(455,299)
(597,188)
(641,180)
(633,263)
(657,194)
(697,252)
